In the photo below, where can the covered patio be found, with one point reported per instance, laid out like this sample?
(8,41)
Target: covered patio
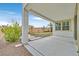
(61,43)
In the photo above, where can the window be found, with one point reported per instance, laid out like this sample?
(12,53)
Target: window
(65,25)
(58,26)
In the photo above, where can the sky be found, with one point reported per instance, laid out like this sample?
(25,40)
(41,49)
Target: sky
(37,21)
(10,12)
(13,12)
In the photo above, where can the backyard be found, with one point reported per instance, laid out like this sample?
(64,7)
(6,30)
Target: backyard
(41,34)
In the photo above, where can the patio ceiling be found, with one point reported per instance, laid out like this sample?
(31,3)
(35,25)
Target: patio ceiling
(53,11)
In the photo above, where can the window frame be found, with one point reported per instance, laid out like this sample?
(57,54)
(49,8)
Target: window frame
(66,25)
(58,26)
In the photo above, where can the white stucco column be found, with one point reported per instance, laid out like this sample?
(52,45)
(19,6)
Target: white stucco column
(24,39)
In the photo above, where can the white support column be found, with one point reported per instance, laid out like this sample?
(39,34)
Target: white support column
(25,27)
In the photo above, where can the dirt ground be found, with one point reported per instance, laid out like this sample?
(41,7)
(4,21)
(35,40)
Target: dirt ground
(8,49)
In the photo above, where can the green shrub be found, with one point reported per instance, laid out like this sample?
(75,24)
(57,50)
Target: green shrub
(12,33)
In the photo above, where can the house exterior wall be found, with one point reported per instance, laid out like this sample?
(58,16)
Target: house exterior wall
(65,33)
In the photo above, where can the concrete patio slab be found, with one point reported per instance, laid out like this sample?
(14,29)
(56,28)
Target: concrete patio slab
(54,46)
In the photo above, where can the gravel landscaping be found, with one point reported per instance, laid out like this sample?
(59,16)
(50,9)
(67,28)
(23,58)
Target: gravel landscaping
(9,49)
